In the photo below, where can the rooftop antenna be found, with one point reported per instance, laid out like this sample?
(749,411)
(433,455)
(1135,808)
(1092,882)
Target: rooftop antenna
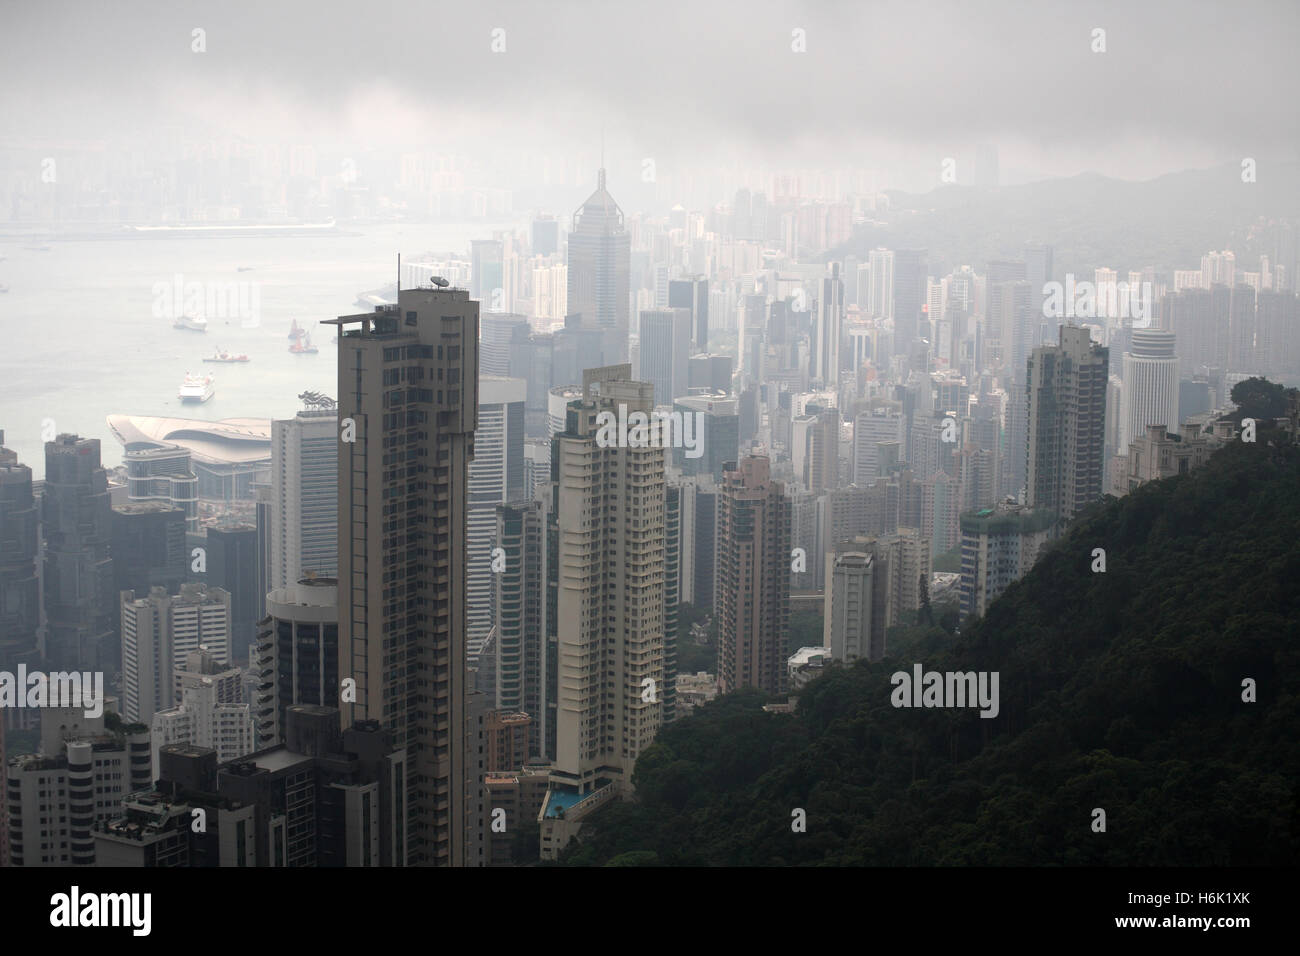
(601,177)
(399,274)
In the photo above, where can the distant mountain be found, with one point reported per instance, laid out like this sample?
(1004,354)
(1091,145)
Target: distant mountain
(1092,221)
(1120,690)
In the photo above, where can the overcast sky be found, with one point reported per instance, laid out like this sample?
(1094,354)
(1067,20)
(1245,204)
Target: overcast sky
(882,85)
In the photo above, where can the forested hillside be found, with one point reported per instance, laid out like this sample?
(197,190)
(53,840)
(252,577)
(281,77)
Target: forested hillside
(1120,690)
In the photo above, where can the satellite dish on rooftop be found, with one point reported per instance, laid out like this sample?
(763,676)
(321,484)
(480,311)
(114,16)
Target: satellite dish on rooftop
(440,282)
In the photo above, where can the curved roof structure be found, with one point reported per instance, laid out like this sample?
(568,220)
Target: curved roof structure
(232,441)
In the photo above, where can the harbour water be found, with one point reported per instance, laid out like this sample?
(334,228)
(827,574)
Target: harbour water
(79,339)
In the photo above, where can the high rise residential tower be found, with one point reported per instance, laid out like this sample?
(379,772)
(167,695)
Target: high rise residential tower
(408,384)
(753,578)
(1066,423)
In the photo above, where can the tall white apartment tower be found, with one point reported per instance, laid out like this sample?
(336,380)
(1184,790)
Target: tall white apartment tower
(304,486)
(608,503)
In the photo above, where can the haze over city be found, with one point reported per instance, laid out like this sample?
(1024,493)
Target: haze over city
(716,434)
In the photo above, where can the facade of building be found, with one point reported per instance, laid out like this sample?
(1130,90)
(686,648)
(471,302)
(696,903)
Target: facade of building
(327,797)
(166,474)
(20,611)
(600,251)
(496,475)
(76,523)
(1066,424)
(79,778)
(665,352)
(1150,390)
(998,547)
(1158,454)
(158,633)
(304,481)
(211,713)
(753,582)
(408,378)
(608,575)
(525,677)
(297,655)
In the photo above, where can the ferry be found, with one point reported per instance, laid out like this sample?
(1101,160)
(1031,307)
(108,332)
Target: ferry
(224,357)
(194,323)
(196,389)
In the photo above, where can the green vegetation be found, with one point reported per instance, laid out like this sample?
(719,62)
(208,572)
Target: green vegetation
(1120,690)
(806,630)
(691,657)
(1260,399)
(949,561)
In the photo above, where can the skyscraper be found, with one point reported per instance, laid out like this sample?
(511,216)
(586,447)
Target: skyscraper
(408,381)
(304,511)
(880,294)
(545,236)
(76,518)
(524,681)
(753,581)
(609,572)
(1150,394)
(486,272)
(665,353)
(149,547)
(297,655)
(693,294)
(20,611)
(164,474)
(829,329)
(716,430)
(496,475)
(909,282)
(600,264)
(1066,423)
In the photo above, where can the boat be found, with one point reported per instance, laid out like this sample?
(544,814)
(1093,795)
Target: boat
(303,346)
(295,330)
(224,357)
(196,389)
(193,323)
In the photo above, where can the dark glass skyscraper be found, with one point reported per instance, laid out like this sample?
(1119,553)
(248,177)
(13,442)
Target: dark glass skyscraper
(80,604)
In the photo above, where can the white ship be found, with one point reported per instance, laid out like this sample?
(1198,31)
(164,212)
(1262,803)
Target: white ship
(195,323)
(196,389)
